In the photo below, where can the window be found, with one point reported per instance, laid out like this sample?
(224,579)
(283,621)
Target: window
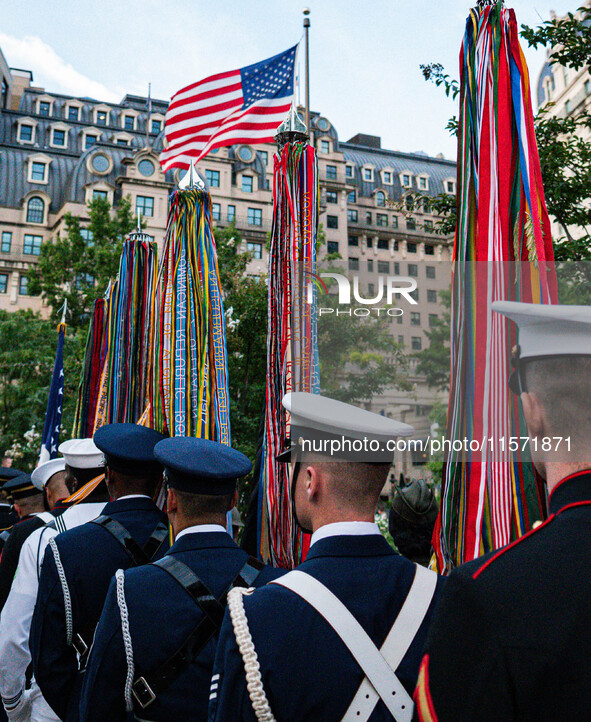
(73,112)
(368,174)
(394,221)
(145,167)
(426,205)
(353,264)
(431,295)
(101,117)
(32,245)
(382,219)
(352,215)
(6,241)
(371,289)
(332,197)
(216,211)
(324,146)
(87,236)
(4,96)
(353,241)
(413,270)
(414,294)
(332,221)
(450,186)
(231,214)
(380,199)
(255,216)
(411,247)
(103,195)
(352,197)
(567,106)
(415,318)
(383,267)
(23,286)
(423,185)
(411,224)
(428,226)
(122,141)
(3,282)
(25,133)
(430,270)
(58,137)
(429,250)
(587,87)
(383,244)
(433,319)
(368,218)
(395,245)
(331,172)
(38,171)
(89,141)
(44,108)
(246,184)
(409,203)
(213,178)
(349,171)
(256,249)
(399,319)
(370,265)
(396,268)
(156,126)
(144,205)
(264,156)
(406,180)
(129,122)
(332,246)
(416,343)
(387,177)
(369,242)
(35,210)
(401,340)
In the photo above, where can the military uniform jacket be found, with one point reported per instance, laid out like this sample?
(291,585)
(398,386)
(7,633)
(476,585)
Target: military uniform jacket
(307,672)
(161,617)
(90,556)
(512,636)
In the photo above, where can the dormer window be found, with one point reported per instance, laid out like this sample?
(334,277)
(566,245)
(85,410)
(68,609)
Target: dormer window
(59,136)
(406,180)
(26,133)
(387,177)
(38,172)
(44,108)
(380,199)
(450,187)
(349,171)
(423,183)
(73,112)
(35,210)
(129,122)
(101,117)
(368,175)
(156,126)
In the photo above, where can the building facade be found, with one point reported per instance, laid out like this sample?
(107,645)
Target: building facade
(59,152)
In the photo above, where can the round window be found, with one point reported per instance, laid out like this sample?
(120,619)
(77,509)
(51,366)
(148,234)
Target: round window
(322,124)
(245,154)
(100,163)
(146,167)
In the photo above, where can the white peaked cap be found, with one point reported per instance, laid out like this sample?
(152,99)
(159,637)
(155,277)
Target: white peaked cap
(549,330)
(81,453)
(43,473)
(329,416)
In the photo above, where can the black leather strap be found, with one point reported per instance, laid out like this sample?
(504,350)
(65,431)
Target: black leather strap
(147,688)
(156,540)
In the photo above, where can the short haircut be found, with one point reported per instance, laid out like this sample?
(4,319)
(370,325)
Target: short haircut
(194,506)
(563,385)
(354,483)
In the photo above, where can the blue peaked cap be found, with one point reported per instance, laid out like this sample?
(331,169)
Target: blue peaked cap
(199,466)
(129,448)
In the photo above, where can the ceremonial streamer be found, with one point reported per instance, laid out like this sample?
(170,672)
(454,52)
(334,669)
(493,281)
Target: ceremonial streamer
(189,389)
(503,250)
(292,349)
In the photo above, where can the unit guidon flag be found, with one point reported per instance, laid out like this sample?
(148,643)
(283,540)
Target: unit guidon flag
(239,106)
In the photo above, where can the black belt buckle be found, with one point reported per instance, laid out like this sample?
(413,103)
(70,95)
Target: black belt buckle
(143,693)
(80,645)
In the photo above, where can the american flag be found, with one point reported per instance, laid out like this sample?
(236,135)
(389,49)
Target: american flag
(53,416)
(240,106)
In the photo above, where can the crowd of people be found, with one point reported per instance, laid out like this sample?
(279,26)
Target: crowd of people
(113,609)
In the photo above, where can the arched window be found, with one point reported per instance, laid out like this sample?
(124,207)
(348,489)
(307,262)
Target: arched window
(409,202)
(380,198)
(35,210)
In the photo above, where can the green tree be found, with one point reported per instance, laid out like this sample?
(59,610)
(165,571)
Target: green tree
(433,361)
(78,270)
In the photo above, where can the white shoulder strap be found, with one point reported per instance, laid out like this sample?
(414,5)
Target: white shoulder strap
(369,658)
(398,641)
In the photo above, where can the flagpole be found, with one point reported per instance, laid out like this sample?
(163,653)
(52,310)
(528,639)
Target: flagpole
(148,116)
(306,12)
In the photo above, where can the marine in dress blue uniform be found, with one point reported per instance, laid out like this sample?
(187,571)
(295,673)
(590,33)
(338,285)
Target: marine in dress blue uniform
(306,670)
(131,530)
(511,639)
(173,607)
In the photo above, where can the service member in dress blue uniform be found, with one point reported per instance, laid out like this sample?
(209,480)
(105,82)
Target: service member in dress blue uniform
(83,463)
(49,489)
(79,567)
(8,516)
(155,643)
(351,581)
(512,635)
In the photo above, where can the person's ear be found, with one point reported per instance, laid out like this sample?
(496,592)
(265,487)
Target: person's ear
(233,500)
(534,414)
(171,502)
(312,482)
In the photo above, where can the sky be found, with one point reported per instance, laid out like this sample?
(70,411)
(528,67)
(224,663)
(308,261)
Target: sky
(364,56)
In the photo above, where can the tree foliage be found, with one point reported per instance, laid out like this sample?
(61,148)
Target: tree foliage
(78,269)
(433,361)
